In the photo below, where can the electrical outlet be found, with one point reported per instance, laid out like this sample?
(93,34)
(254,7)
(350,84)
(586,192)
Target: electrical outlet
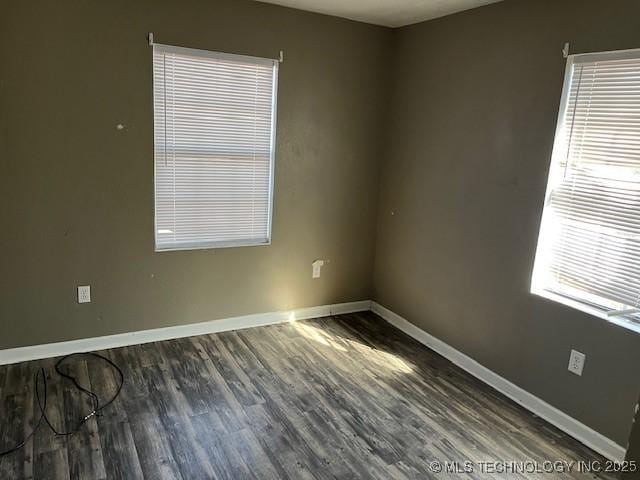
(576,362)
(316,266)
(84,294)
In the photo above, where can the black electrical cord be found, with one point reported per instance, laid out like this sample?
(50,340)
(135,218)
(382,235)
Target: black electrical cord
(42,400)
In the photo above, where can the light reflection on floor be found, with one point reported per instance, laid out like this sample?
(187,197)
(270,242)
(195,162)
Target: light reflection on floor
(385,361)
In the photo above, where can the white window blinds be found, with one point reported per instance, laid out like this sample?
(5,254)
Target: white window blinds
(589,246)
(214,125)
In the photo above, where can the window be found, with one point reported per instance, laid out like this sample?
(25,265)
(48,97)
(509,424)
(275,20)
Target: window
(589,247)
(214,130)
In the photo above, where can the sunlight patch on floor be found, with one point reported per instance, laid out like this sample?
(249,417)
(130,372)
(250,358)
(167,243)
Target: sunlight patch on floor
(381,359)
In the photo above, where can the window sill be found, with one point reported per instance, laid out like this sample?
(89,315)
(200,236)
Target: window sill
(621,322)
(213,246)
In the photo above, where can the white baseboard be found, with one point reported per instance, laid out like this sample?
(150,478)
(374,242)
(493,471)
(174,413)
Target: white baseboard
(592,439)
(23,354)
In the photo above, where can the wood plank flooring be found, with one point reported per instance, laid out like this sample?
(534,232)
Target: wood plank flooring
(341,397)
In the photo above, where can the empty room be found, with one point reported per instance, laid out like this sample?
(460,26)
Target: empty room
(320,239)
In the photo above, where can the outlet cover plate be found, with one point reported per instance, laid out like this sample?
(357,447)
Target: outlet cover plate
(576,362)
(84,294)
(316,267)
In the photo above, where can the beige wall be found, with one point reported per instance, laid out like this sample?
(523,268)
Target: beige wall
(77,194)
(474,110)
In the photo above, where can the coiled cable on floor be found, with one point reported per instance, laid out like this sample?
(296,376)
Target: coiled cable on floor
(40,380)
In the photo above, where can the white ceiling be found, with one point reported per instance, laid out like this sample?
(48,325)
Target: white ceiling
(390,13)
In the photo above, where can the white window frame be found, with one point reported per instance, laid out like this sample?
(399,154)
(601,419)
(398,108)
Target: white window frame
(559,149)
(274,108)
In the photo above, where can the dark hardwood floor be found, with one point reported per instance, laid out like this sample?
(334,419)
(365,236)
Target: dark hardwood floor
(340,397)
